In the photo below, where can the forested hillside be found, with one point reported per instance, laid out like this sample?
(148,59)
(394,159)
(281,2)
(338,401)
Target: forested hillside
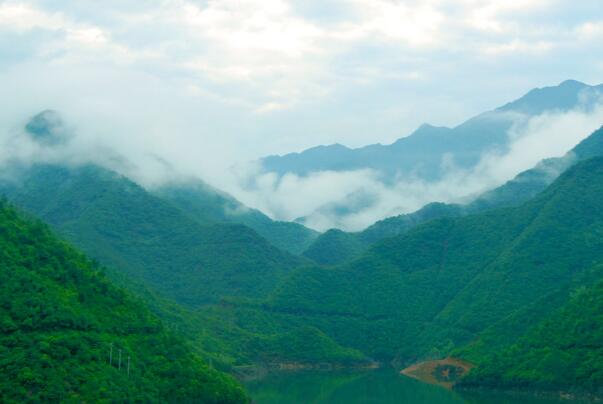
(449,279)
(67,334)
(562,351)
(518,190)
(123,226)
(211,206)
(438,287)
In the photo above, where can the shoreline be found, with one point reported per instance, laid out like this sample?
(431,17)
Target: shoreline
(426,372)
(441,372)
(581,397)
(259,371)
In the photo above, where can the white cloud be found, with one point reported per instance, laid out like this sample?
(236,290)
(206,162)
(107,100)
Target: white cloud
(205,84)
(517,46)
(19,17)
(274,53)
(320,197)
(590,30)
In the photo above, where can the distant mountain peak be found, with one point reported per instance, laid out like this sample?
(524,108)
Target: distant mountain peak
(567,95)
(47,127)
(573,83)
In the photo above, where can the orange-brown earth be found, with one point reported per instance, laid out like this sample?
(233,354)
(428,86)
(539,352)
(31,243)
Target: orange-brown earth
(442,372)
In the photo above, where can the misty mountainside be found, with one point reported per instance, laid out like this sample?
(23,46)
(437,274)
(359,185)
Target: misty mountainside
(451,162)
(440,286)
(60,318)
(337,247)
(208,205)
(513,193)
(421,153)
(123,226)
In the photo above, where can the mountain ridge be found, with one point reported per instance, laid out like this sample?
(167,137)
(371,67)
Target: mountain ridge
(64,327)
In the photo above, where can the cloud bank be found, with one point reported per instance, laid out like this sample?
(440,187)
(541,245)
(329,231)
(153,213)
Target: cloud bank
(349,200)
(192,87)
(353,200)
(278,75)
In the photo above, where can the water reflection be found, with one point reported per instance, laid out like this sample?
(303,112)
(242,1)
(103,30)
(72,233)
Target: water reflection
(383,386)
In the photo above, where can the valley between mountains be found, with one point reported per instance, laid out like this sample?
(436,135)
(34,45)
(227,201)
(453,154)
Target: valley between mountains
(194,290)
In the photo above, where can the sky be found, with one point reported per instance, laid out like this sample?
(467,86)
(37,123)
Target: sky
(209,84)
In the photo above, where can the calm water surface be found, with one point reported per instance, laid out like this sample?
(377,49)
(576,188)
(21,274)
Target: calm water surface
(363,387)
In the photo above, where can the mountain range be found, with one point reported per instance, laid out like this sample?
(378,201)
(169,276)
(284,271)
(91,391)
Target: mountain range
(430,154)
(422,152)
(509,282)
(447,283)
(335,246)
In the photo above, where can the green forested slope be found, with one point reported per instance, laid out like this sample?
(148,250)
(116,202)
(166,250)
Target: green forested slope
(518,190)
(59,317)
(120,224)
(439,286)
(333,247)
(210,206)
(562,351)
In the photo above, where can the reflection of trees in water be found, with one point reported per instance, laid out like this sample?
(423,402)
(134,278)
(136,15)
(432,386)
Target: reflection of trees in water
(384,386)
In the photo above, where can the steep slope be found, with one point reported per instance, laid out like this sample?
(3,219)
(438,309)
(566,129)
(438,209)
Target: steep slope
(562,352)
(530,182)
(120,224)
(334,247)
(520,189)
(444,282)
(331,250)
(211,206)
(60,319)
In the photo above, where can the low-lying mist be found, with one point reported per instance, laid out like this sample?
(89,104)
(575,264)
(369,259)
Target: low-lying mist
(353,200)
(349,200)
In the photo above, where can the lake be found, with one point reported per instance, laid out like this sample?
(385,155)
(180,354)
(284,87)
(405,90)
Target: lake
(383,386)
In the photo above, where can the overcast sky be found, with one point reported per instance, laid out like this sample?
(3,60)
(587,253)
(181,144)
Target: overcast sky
(255,77)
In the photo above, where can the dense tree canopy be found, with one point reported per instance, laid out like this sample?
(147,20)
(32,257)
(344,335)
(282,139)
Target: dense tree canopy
(60,320)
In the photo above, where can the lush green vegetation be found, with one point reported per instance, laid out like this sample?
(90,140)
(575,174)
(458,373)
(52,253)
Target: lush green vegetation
(59,318)
(438,282)
(210,206)
(334,247)
(563,351)
(152,246)
(442,284)
(120,224)
(515,192)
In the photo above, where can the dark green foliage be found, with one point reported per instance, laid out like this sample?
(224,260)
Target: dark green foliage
(58,319)
(337,247)
(398,225)
(241,334)
(159,246)
(562,352)
(211,206)
(515,192)
(334,247)
(443,283)
(425,291)
(120,224)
